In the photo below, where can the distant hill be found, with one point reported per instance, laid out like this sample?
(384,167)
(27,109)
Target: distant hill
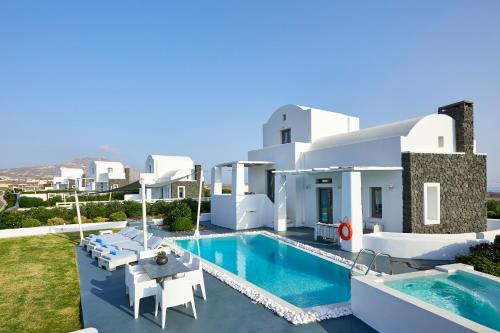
(50,170)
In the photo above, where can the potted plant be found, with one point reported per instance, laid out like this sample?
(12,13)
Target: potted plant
(161,258)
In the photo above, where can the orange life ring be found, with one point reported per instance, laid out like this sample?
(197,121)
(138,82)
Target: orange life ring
(341,231)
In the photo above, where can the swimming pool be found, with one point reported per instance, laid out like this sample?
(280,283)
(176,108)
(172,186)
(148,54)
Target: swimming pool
(468,295)
(296,276)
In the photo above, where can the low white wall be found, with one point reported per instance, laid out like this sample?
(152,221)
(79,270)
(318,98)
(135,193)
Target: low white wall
(254,211)
(425,246)
(396,315)
(205,217)
(20,232)
(223,208)
(493,224)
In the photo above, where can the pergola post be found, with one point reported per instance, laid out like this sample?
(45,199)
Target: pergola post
(216,188)
(351,208)
(280,202)
(238,179)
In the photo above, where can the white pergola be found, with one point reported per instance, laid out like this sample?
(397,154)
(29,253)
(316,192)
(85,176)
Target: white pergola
(238,175)
(351,198)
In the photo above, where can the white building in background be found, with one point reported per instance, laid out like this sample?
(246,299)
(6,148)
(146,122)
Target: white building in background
(69,178)
(319,166)
(171,177)
(106,175)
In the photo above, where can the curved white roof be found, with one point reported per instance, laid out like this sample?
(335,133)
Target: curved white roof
(396,129)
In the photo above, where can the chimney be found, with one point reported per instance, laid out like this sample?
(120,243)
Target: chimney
(463,113)
(197,172)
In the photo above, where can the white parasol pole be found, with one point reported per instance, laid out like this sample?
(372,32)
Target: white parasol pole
(197,230)
(144,217)
(79,217)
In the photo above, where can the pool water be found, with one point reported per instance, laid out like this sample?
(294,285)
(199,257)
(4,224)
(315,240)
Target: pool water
(467,295)
(296,276)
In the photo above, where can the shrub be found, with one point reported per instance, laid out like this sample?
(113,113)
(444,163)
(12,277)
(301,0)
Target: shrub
(11,219)
(493,207)
(179,209)
(118,216)
(27,202)
(160,208)
(56,221)
(30,223)
(52,201)
(10,198)
(113,207)
(93,210)
(181,224)
(43,214)
(132,209)
(484,257)
(100,219)
(84,219)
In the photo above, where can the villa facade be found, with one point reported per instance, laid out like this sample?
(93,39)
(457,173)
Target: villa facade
(421,175)
(106,176)
(69,178)
(171,177)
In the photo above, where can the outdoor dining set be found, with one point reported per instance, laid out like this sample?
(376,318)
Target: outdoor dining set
(172,281)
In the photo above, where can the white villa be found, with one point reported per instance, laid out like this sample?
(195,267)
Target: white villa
(410,176)
(170,177)
(106,175)
(69,178)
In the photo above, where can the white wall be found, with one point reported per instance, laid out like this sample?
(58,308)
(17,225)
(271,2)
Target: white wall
(9,233)
(166,166)
(493,224)
(239,212)
(306,124)
(386,152)
(223,208)
(98,170)
(425,246)
(424,135)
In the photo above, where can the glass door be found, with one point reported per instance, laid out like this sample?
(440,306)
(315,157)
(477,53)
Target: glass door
(325,210)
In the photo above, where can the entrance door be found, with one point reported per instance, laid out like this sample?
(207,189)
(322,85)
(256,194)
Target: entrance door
(325,205)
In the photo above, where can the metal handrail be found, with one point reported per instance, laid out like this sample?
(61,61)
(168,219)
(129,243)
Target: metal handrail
(380,254)
(357,257)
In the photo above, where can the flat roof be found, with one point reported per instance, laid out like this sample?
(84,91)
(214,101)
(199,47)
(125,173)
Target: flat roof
(246,163)
(338,169)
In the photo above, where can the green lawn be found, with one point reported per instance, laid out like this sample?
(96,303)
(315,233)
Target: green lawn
(39,284)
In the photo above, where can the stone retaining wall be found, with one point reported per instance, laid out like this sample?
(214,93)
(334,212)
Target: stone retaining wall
(462,179)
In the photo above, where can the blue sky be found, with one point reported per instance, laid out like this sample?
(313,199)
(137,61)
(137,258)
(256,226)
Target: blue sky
(123,79)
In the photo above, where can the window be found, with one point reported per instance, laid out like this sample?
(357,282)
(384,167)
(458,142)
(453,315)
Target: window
(181,192)
(284,117)
(432,203)
(110,170)
(376,201)
(286,136)
(150,168)
(270,184)
(440,141)
(115,186)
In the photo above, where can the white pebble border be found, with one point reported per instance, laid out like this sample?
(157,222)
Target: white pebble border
(304,316)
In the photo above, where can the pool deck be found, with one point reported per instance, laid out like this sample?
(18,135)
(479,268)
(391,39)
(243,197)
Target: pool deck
(105,305)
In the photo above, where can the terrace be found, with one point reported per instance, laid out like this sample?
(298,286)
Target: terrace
(105,304)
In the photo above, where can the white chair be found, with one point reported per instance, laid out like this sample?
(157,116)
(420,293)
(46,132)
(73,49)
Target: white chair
(141,286)
(186,258)
(130,271)
(196,276)
(173,293)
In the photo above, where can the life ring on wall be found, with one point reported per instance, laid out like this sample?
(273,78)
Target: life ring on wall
(342,235)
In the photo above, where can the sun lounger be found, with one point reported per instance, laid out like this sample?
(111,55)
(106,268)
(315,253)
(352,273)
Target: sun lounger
(115,258)
(153,243)
(92,237)
(99,241)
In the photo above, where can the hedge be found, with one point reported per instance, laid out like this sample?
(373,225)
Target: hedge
(484,257)
(493,207)
(97,211)
(28,202)
(10,198)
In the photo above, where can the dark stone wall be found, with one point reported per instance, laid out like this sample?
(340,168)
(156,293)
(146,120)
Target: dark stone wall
(463,113)
(462,179)
(192,186)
